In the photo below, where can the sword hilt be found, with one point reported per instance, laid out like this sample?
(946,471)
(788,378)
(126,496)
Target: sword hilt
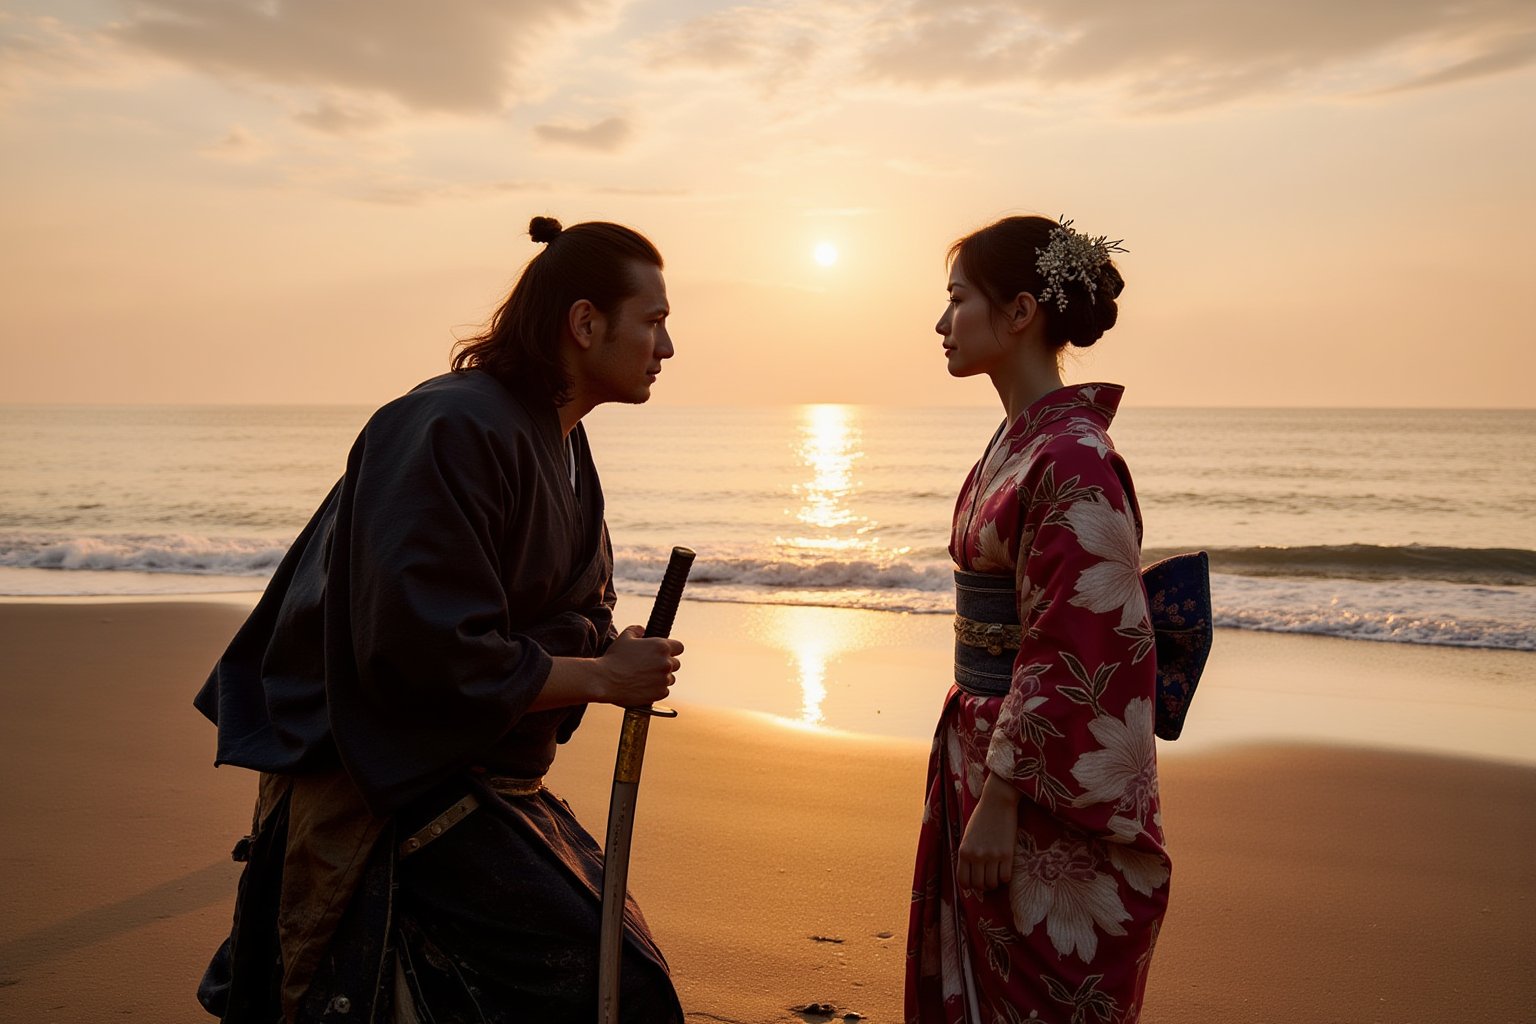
(664,611)
(671,592)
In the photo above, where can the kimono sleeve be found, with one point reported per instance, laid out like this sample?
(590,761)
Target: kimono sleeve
(1074,733)
(424,673)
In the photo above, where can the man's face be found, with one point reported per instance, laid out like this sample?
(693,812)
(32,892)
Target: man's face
(622,365)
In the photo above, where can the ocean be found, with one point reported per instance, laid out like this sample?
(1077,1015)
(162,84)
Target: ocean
(1409,526)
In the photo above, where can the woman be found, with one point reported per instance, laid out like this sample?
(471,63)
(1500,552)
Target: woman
(1041,876)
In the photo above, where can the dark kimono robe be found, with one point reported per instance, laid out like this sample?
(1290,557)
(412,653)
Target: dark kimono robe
(386,672)
(1071,936)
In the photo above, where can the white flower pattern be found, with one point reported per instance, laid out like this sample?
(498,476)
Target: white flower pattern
(996,555)
(1096,442)
(1061,886)
(1113,584)
(1073,734)
(1142,871)
(1123,772)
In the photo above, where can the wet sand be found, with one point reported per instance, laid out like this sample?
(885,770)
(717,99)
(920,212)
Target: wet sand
(1391,878)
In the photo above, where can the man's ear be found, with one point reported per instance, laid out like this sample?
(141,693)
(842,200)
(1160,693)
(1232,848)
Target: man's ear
(584,322)
(1023,311)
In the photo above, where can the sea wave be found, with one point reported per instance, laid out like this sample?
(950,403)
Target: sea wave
(1412,594)
(179,553)
(926,569)
(799,571)
(1414,610)
(1431,612)
(1498,567)
(1495,567)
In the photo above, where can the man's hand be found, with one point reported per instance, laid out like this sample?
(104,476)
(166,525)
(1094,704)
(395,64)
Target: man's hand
(636,670)
(639,670)
(986,849)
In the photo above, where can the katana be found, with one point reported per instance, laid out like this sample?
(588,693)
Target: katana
(621,805)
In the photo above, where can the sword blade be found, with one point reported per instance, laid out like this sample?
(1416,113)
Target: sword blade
(616,875)
(621,804)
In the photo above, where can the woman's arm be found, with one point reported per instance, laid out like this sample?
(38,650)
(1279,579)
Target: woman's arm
(1074,734)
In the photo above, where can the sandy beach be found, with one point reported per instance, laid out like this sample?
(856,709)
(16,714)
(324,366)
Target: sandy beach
(1352,824)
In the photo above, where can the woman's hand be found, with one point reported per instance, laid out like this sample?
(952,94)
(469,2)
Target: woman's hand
(986,849)
(635,671)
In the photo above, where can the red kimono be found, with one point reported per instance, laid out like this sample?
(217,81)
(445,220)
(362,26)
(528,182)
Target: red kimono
(1070,937)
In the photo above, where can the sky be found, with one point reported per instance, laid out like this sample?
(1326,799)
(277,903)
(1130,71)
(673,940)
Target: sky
(276,201)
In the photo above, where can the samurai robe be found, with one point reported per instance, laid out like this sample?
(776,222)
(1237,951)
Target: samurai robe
(385,675)
(1069,938)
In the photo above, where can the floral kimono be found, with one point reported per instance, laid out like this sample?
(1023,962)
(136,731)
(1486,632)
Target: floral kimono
(1069,938)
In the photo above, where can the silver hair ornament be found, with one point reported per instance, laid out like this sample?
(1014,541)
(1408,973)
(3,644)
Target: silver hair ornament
(1072,256)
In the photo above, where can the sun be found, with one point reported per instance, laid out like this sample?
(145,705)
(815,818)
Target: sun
(825,253)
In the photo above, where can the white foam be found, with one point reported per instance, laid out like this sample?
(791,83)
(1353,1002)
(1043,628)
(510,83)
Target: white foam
(1402,611)
(1429,612)
(181,554)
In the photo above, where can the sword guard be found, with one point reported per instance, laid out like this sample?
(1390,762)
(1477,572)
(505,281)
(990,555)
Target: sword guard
(655,711)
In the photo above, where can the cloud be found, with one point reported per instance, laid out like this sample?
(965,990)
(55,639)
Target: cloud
(238,145)
(1171,55)
(778,38)
(400,190)
(461,57)
(333,118)
(1515,53)
(35,41)
(1180,54)
(35,48)
(604,136)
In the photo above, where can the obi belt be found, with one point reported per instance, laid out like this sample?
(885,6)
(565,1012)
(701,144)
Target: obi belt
(988,634)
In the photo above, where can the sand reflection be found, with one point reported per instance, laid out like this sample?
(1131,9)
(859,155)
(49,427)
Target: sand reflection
(812,640)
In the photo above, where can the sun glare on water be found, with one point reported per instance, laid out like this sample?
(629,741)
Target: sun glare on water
(825,253)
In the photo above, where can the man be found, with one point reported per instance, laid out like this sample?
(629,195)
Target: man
(437,628)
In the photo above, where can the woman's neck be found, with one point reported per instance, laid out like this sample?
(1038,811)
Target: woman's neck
(1026,380)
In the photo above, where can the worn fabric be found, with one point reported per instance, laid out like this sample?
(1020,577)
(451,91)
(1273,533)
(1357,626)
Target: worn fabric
(393,659)
(1070,938)
(528,859)
(411,624)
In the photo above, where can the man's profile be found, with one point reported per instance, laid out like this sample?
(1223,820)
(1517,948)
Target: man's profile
(434,632)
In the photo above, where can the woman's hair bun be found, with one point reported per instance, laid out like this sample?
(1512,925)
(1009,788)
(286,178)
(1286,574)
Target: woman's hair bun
(543,229)
(1088,323)
(1111,281)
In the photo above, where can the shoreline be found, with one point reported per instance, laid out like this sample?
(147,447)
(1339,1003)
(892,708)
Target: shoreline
(1314,881)
(881,673)
(1492,617)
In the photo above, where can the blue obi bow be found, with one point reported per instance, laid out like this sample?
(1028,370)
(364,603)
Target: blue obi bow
(987,633)
(1179,602)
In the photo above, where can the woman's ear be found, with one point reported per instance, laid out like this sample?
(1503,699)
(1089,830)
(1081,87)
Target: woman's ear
(1022,312)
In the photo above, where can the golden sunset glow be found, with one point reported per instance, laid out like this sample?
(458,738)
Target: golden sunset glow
(273,203)
(811,661)
(811,641)
(829,450)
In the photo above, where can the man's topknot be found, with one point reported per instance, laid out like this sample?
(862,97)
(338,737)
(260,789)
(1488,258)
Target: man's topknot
(543,229)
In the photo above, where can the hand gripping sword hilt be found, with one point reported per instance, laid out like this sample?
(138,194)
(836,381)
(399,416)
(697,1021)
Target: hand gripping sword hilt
(664,611)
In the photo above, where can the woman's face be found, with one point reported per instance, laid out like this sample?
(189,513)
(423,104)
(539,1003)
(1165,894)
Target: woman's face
(971,328)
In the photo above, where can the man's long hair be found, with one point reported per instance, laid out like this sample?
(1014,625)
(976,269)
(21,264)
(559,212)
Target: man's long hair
(521,346)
